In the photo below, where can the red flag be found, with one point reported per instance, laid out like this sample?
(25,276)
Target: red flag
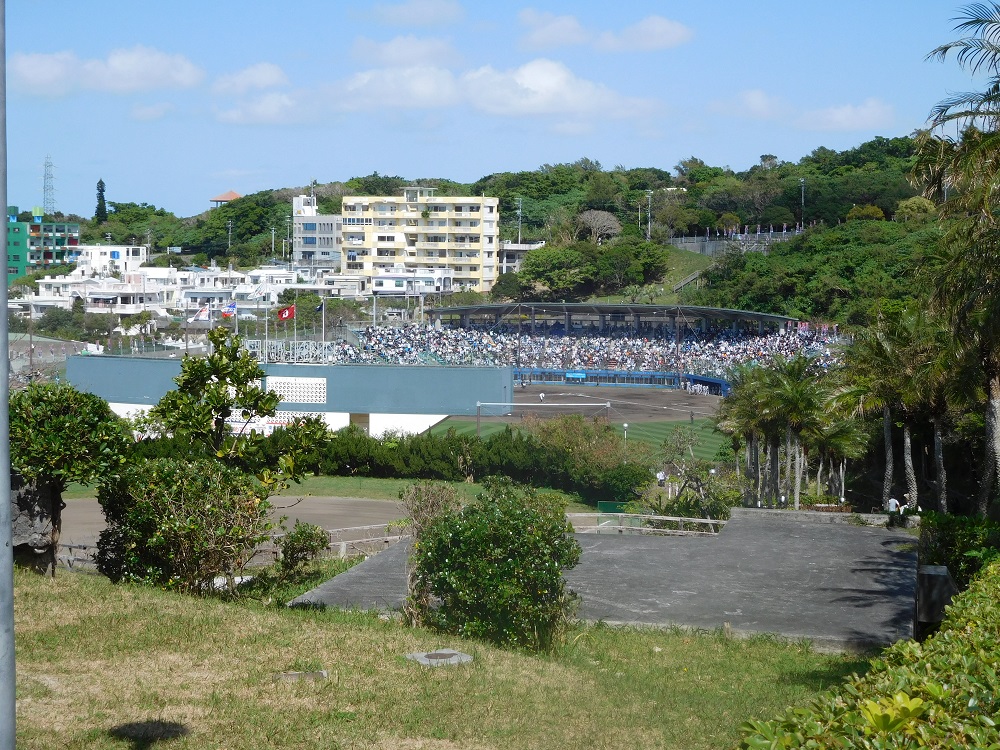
(286,313)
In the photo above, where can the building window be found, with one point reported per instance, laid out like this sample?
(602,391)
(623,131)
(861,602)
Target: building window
(308,240)
(309,226)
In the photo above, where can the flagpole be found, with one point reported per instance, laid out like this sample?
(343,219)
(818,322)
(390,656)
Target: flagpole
(8,666)
(295,330)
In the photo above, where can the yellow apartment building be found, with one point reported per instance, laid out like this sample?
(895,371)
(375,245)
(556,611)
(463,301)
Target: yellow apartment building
(420,231)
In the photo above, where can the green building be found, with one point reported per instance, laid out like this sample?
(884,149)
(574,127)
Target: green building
(38,244)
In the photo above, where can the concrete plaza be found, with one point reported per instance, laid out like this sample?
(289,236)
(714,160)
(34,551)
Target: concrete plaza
(797,575)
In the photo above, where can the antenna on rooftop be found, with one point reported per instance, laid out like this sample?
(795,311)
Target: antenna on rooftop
(48,189)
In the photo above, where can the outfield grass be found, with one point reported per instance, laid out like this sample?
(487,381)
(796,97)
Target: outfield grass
(98,665)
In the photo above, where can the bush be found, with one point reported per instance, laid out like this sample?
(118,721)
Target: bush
(180,524)
(425,503)
(943,693)
(496,568)
(946,540)
(305,542)
(620,484)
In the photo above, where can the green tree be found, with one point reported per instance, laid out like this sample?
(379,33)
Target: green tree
(101,212)
(562,272)
(509,286)
(916,208)
(60,435)
(866,213)
(216,401)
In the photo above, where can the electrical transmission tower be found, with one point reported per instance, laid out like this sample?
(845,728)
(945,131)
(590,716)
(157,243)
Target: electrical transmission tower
(48,189)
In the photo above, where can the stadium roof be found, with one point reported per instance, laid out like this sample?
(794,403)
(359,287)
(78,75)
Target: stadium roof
(645,312)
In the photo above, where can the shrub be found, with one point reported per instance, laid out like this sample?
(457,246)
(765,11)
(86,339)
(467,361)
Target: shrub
(60,435)
(180,524)
(946,539)
(305,542)
(943,693)
(620,484)
(425,503)
(496,568)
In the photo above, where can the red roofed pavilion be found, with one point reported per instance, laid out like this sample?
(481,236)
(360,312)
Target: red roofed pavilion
(225,198)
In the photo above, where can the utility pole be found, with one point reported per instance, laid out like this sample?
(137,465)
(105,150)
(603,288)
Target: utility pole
(8,671)
(519,221)
(272,242)
(649,215)
(288,232)
(229,226)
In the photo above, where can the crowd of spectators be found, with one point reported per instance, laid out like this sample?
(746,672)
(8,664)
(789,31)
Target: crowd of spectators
(710,353)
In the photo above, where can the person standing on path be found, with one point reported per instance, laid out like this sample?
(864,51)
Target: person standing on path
(541,397)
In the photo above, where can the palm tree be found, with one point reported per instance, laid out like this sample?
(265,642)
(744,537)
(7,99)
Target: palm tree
(873,361)
(739,417)
(796,397)
(966,170)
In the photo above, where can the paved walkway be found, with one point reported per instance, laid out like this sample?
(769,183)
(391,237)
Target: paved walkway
(798,575)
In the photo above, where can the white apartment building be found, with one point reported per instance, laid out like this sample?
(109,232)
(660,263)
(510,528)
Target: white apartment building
(512,254)
(316,237)
(423,232)
(103,260)
(412,282)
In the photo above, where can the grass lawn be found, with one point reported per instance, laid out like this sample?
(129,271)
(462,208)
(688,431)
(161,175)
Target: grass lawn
(682,263)
(99,665)
(370,488)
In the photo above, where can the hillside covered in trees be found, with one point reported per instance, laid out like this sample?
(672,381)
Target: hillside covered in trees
(688,199)
(595,223)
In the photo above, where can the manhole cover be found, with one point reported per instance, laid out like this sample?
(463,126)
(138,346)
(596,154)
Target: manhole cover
(444,657)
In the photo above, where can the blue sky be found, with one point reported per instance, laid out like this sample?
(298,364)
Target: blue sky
(172,103)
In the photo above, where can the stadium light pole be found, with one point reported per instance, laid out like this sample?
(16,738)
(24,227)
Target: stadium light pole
(802,185)
(8,670)
(625,430)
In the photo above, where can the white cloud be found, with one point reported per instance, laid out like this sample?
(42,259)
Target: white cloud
(150,112)
(651,33)
(418,87)
(869,115)
(419,12)
(124,71)
(544,87)
(405,51)
(260,76)
(272,108)
(547,30)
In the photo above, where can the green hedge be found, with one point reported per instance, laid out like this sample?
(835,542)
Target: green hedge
(946,540)
(943,693)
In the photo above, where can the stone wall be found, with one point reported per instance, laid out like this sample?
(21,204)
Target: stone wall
(36,517)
